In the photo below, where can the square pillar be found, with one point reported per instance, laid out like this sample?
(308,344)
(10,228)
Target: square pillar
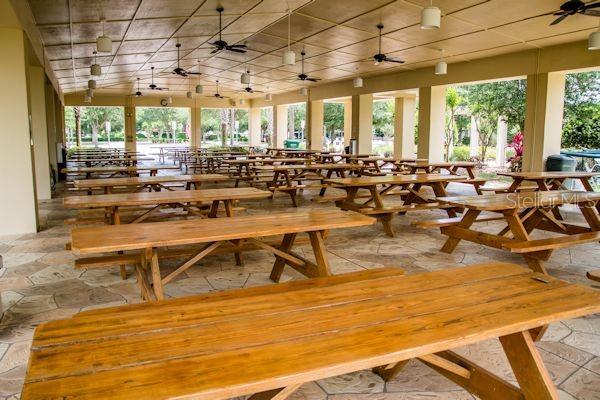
(52,136)
(347,122)
(130,129)
(362,122)
(196,127)
(432,118)
(404,127)
(314,116)
(254,126)
(39,131)
(18,203)
(279,125)
(544,108)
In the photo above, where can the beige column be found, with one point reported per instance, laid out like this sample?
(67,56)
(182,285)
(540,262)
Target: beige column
(314,117)
(39,131)
(51,125)
(279,125)
(543,119)
(432,115)
(347,122)
(404,127)
(130,136)
(362,122)
(196,126)
(18,209)
(254,126)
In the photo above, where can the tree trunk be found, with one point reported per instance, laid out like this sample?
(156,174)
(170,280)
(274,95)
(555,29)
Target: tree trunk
(270,127)
(107,129)
(224,123)
(231,125)
(77,111)
(291,118)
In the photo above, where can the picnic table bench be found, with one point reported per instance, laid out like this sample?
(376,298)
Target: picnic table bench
(374,205)
(212,233)
(139,183)
(116,170)
(267,341)
(452,168)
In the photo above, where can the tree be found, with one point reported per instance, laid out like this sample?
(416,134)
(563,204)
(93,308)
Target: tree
(383,118)
(581,123)
(453,101)
(333,119)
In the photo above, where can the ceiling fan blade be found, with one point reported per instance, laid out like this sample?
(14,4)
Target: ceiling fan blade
(216,50)
(242,46)
(194,73)
(313,79)
(559,19)
(595,5)
(235,50)
(592,13)
(393,60)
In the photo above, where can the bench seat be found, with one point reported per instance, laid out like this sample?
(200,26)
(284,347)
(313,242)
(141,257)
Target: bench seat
(441,222)
(553,243)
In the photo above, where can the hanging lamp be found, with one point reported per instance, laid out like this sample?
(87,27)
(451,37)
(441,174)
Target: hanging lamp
(95,68)
(268,97)
(431,17)
(594,40)
(92,84)
(304,91)
(245,78)
(289,57)
(103,43)
(441,68)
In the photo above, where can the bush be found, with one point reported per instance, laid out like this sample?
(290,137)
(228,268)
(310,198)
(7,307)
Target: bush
(461,153)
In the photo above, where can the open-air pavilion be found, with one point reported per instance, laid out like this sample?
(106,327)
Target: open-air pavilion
(264,199)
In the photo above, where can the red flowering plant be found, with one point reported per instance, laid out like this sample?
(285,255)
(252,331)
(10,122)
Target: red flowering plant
(516,162)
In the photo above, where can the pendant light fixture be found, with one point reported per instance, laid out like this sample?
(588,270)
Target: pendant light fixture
(245,78)
(103,43)
(199,89)
(441,68)
(92,84)
(95,68)
(431,17)
(89,92)
(289,57)
(268,97)
(594,40)
(357,82)
(189,93)
(304,91)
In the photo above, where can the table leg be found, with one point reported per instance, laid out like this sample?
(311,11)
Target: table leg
(156,278)
(318,246)
(276,394)
(468,219)
(588,187)
(286,245)
(440,191)
(386,219)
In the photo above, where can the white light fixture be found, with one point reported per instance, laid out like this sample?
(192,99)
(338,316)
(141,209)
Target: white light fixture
(357,82)
(431,17)
(304,91)
(441,68)
(170,100)
(245,78)
(87,99)
(242,102)
(103,43)
(89,93)
(289,57)
(199,89)
(594,40)
(268,97)
(189,95)
(95,68)
(91,84)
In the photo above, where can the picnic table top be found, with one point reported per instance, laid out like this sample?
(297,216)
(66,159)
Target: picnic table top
(394,179)
(265,160)
(425,163)
(163,197)
(109,159)
(100,239)
(147,180)
(518,200)
(549,174)
(117,168)
(308,166)
(233,343)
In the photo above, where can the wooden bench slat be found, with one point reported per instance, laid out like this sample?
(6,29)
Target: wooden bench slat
(551,243)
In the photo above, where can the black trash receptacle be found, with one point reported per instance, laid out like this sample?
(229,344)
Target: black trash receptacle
(560,162)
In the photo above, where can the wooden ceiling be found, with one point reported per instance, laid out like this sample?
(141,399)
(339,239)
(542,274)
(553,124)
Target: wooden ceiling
(337,35)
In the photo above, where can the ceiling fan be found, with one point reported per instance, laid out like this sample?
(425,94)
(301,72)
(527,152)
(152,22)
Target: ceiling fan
(217,94)
(180,71)
(248,89)
(381,58)
(138,93)
(223,45)
(573,7)
(152,85)
(303,76)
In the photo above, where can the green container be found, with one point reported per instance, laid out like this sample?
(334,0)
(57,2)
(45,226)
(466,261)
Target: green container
(561,162)
(291,144)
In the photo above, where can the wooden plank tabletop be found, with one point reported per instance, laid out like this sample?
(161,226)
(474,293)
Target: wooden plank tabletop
(310,166)
(394,179)
(517,200)
(550,174)
(265,161)
(164,197)
(148,180)
(111,159)
(132,169)
(424,163)
(100,239)
(234,343)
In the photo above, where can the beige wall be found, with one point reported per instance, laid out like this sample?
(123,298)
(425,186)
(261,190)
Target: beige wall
(314,114)
(432,116)
(39,131)
(18,212)
(404,127)
(362,122)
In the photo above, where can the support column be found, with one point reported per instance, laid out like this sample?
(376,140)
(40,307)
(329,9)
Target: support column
(279,125)
(404,127)
(362,122)
(52,136)
(130,136)
(314,116)
(39,131)
(473,138)
(432,116)
(501,136)
(196,126)
(254,126)
(543,119)
(347,122)
(18,209)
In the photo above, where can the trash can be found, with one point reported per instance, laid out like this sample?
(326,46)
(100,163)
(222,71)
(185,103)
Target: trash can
(353,146)
(561,162)
(291,144)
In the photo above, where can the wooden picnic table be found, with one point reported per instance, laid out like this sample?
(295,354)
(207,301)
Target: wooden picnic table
(374,205)
(104,161)
(148,238)
(244,168)
(155,183)
(453,168)
(288,178)
(265,342)
(116,170)
(523,212)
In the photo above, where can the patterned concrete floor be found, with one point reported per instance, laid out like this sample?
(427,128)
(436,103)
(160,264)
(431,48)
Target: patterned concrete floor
(38,283)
